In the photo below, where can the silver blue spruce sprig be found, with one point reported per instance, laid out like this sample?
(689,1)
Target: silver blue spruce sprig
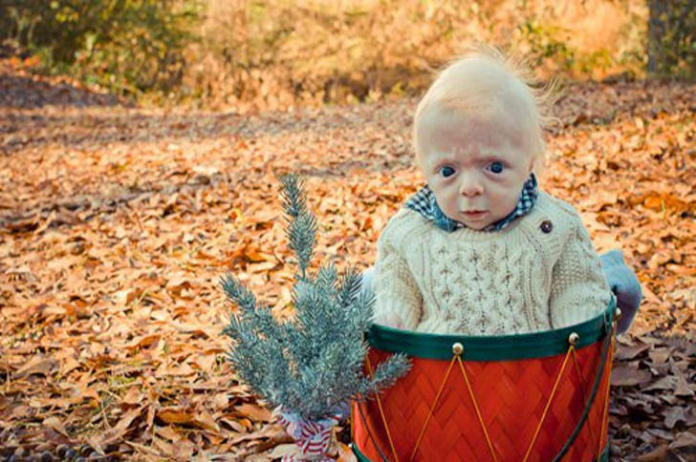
(312,364)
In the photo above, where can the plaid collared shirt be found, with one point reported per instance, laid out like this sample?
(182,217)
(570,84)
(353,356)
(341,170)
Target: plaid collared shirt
(424,203)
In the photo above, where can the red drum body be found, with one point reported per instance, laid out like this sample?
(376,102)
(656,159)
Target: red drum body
(537,397)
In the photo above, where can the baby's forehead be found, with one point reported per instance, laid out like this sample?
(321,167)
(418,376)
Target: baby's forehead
(457,125)
(480,138)
(443,132)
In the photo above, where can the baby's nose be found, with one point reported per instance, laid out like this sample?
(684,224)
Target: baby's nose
(470,185)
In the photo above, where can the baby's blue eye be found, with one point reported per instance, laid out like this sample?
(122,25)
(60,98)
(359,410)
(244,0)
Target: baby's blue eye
(447,171)
(496,167)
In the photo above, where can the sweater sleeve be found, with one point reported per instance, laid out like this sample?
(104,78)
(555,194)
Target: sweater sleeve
(398,300)
(579,289)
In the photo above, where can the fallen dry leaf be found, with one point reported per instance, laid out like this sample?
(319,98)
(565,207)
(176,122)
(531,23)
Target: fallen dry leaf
(685,440)
(673,415)
(629,375)
(175,416)
(56,424)
(117,431)
(204,420)
(37,365)
(254,412)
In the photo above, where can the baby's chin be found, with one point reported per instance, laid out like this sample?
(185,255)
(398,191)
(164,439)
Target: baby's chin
(475,226)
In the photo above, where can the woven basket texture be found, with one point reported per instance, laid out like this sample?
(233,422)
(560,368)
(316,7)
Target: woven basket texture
(511,396)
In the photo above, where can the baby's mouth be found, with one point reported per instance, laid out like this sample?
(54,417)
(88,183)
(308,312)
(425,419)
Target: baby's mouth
(473,214)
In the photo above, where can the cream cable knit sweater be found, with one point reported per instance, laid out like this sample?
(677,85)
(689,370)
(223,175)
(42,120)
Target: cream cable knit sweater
(539,273)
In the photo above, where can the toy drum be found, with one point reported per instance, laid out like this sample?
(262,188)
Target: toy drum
(534,397)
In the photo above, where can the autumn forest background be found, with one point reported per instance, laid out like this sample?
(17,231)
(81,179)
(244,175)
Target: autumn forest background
(140,145)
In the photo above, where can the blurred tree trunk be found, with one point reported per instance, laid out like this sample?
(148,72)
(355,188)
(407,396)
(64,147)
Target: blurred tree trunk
(657,58)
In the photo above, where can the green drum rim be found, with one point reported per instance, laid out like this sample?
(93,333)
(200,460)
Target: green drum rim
(604,457)
(492,347)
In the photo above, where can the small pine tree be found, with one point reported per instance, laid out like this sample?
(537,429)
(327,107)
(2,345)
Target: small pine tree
(312,364)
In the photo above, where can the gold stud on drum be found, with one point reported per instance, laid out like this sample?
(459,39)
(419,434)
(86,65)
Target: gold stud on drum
(573,338)
(457,348)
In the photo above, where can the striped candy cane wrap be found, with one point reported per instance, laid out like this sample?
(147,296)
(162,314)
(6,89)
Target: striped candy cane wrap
(312,437)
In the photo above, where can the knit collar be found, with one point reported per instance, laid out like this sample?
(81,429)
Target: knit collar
(424,203)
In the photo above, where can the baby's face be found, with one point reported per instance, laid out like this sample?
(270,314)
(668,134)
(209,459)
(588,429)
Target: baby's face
(475,167)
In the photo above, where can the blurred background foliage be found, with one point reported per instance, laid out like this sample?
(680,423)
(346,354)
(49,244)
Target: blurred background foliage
(672,38)
(129,47)
(279,53)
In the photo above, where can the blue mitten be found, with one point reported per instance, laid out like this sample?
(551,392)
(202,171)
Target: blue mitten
(624,284)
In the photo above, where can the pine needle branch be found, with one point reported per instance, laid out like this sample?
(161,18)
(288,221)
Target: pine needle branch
(312,364)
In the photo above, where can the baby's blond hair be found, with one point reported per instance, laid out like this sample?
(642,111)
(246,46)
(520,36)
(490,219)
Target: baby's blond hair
(482,81)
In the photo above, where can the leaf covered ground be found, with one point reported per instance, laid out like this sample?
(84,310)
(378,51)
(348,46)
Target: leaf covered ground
(116,224)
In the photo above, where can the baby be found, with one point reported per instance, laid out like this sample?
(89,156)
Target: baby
(481,250)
